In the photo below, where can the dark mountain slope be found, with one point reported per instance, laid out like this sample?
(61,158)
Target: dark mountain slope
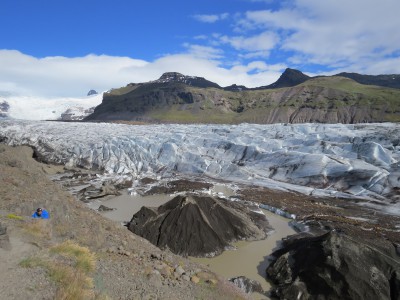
(324,100)
(391,81)
(189,80)
(289,78)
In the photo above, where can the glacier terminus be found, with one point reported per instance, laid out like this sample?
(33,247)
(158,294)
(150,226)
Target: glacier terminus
(359,161)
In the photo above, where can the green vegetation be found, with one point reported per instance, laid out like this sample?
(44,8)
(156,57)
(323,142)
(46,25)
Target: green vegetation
(338,97)
(14,217)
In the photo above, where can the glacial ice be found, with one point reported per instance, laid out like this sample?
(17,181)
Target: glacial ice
(322,159)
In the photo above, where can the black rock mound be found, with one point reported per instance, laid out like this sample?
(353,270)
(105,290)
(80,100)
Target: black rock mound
(334,266)
(198,226)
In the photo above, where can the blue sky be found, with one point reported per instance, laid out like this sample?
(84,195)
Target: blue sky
(63,48)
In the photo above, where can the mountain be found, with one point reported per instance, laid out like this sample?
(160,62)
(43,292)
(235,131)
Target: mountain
(289,78)
(392,81)
(236,88)
(177,98)
(92,92)
(175,77)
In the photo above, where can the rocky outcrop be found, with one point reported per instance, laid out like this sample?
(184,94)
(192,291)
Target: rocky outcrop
(198,226)
(194,81)
(247,285)
(105,208)
(334,266)
(76,113)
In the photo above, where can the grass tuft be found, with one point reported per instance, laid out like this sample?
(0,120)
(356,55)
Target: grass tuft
(85,261)
(72,279)
(14,217)
(39,228)
(32,262)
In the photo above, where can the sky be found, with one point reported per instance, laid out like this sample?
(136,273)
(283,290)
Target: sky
(65,48)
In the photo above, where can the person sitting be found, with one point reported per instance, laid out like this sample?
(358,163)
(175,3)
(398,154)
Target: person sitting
(41,214)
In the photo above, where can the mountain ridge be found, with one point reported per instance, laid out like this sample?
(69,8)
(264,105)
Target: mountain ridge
(293,98)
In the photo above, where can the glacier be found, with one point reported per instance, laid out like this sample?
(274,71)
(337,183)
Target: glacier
(351,161)
(40,108)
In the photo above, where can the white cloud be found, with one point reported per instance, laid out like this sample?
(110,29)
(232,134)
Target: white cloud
(24,75)
(335,33)
(61,76)
(203,51)
(211,18)
(261,42)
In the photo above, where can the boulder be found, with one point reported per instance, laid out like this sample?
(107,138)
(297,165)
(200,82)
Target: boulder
(334,266)
(4,238)
(247,285)
(105,208)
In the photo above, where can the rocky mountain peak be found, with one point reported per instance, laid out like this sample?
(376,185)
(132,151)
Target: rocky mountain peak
(290,77)
(170,77)
(92,92)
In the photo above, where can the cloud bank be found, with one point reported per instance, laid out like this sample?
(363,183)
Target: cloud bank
(319,36)
(25,75)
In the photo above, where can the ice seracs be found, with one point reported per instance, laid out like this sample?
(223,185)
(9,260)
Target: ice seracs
(321,159)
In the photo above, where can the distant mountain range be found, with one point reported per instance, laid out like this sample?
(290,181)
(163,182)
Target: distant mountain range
(293,98)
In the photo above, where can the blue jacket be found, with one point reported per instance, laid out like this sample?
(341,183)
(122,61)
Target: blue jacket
(45,215)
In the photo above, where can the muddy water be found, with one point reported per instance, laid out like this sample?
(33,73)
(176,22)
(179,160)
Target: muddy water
(250,259)
(127,205)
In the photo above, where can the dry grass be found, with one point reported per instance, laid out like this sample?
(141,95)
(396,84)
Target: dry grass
(71,273)
(39,228)
(32,262)
(85,261)
(72,283)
